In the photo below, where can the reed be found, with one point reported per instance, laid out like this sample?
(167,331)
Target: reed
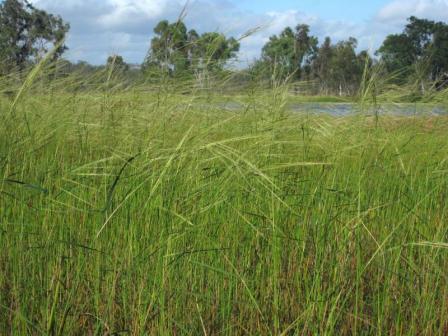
(151,209)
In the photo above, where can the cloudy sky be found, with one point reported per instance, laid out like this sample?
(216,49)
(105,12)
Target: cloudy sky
(103,27)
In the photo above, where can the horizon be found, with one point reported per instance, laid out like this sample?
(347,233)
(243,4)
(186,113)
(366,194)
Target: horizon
(105,27)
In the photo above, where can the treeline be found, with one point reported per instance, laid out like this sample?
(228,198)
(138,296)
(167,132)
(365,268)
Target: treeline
(333,67)
(417,55)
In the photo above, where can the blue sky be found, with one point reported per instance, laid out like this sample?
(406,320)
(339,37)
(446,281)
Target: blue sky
(326,9)
(100,28)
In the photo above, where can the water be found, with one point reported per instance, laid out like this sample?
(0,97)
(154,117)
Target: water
(342,109)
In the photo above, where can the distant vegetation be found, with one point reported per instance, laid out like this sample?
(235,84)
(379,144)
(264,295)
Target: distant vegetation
(416,59)
(177,51)
(420,53)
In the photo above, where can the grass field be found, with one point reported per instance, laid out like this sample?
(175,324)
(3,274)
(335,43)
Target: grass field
(146,214)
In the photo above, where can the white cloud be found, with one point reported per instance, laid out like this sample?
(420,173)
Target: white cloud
(127,11)
(398,10)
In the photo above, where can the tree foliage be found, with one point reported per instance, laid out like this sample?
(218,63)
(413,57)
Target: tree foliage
(422,44)
(177,50)
(26,33)
(337,68)
(345,67)
(292,50)
(418,55)
(117,63)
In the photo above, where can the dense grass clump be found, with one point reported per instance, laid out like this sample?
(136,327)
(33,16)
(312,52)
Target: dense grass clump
(147,212)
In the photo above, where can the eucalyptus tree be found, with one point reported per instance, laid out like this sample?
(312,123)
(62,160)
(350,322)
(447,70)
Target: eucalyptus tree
(321,67)
(338,68)
(117,63)
(346,67)
(420,51)
(178,51)
(291,51)
(26,33)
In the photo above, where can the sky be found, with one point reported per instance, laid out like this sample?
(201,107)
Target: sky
(100,28)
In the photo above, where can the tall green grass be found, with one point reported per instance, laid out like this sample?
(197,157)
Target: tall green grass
(154,210)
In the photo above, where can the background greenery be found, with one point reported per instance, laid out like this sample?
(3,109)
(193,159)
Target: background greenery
(416,59)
